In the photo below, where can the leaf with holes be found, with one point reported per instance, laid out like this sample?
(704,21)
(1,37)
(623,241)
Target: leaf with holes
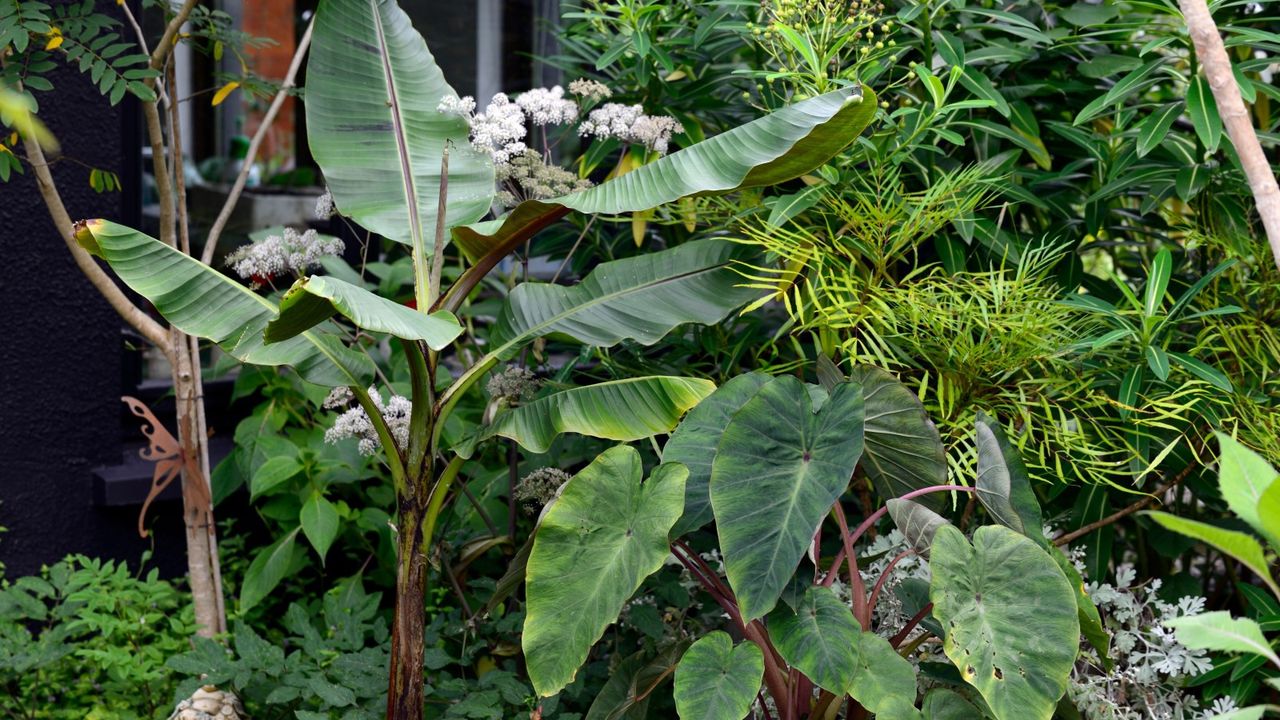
(781,464)
(988,596)
(605,534)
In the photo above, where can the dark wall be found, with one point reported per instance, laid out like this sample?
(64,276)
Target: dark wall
(60,412)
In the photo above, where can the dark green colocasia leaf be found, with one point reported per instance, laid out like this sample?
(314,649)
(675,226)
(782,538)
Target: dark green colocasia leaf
(818,637)
(780,465)
(598,541)
(717,681)
(1009,616)
(1004,489)
(695,441)
(903,449)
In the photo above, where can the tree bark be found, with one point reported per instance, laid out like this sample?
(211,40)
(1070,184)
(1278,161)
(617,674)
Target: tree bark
(404,695)
(1235,117)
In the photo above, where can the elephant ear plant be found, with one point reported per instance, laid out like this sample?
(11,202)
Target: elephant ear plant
(405,170)
(769,460)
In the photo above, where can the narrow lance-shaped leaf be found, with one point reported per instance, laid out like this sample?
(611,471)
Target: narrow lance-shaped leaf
(605,534)
(315,299)
(625,410)
(203,302)
(1241,546)
(780,466)
(777,147)
(373,90)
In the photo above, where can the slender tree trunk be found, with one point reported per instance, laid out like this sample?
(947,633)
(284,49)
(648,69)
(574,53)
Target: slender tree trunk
(404,696)
(1235,117)
(197,500)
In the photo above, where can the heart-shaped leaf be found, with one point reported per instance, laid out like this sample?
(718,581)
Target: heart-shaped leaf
(780,466)
(601,538)
(694,444)
(988,597)
(818,637)
(717,681)
(903,449)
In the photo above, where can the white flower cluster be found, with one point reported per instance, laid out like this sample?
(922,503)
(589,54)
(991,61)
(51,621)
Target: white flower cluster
(630,124)
(540,487)
(513,383)
(324,206)
(355,423)
(276,255)
(530,177)
(1150,664)
(458,106)
(590,90)
(548,107)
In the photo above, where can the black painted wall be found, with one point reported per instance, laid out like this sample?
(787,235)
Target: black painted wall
(60,362)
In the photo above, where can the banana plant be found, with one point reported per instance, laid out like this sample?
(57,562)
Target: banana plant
(403,170)
(769,460)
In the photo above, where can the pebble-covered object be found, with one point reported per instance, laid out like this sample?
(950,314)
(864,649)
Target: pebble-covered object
(209,703)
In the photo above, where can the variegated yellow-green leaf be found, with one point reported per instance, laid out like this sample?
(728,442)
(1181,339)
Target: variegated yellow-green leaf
(630,409)
(599,540)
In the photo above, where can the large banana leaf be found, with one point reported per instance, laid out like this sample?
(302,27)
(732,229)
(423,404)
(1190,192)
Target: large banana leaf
(201,301)
(625,410)
(780,466)
(777,147)
(315,299)
(372,92)
(1010,619)
(640,298)
(599,540)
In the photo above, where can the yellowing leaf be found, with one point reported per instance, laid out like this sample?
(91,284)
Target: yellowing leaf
(53,43)
(639,224)
(217,50)
(675,75)
(224,91)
